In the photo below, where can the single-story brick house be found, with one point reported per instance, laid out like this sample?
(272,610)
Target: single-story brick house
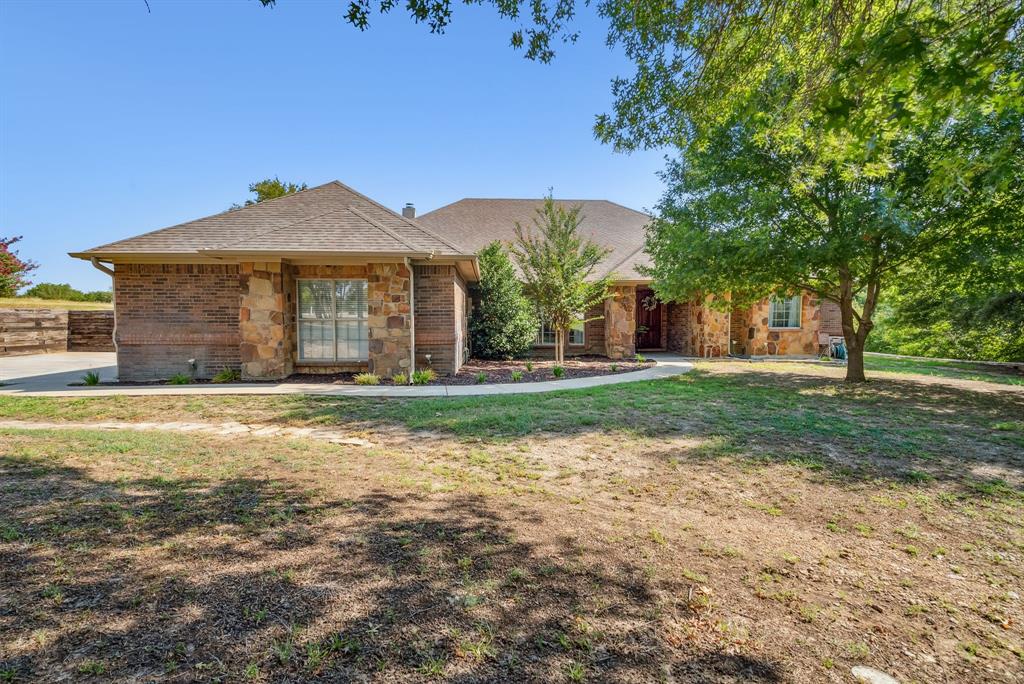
(328,280)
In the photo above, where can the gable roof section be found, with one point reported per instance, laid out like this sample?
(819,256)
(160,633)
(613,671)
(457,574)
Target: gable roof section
(475,223)
(330,218)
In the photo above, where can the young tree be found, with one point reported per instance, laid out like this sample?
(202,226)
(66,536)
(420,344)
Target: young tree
(13,270)
(557,266)
(270,188)
(504,323)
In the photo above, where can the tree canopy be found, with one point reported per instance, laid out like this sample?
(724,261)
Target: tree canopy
(270,188)
(13,269)
(557,265)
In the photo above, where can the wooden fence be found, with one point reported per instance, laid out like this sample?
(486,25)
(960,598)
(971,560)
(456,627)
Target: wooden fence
(44,331)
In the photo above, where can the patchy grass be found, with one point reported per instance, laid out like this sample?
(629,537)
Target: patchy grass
(37,303)
(747,522)
(962,370)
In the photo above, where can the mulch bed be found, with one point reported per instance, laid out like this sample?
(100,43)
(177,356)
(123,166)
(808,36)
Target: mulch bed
(495,372)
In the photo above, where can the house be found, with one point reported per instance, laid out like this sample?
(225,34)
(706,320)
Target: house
(328,280)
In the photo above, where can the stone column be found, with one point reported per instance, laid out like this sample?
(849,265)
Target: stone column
(261,322)
(620,322)
(390,318)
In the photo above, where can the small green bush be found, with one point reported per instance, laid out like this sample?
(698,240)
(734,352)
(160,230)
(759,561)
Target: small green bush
(227,375)
(180,379)
(481,378)
(424,376)
(400,379)
(91,378)
(367,379)
(640,358)
(558,371)
(517,376)
(614,367)
(529,366)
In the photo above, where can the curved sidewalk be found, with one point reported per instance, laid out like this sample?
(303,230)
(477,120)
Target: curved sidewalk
(667,365)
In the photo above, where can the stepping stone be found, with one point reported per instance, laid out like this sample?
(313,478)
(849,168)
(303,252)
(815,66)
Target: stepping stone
(869,675)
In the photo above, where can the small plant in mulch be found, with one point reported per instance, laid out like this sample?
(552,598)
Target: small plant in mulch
(400,379)
(614,367)
(227,375)
(424,376)
(367,379)
(558,371)
(529,366)
(640,358)
(91,378)
(517,376)
(481,378)
(180,379)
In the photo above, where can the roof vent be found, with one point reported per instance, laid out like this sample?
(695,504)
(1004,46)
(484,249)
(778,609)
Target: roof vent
(409,211)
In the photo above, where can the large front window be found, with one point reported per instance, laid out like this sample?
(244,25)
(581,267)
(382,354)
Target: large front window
(784,313)
(332,320)
(546,335)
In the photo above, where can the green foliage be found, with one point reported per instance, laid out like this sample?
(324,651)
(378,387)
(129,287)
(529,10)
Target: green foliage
(13,269)
(91,378)
(504,324)
(180,379)
(517,376)
(529,366)
(424,376)
(558,371)
(400,379)
(65,292)
(268,189)
(226,375)
(557,265)
(481,378)
(367,379)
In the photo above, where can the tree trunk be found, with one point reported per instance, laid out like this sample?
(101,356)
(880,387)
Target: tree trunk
(855,364)
(856,330)
(559,345)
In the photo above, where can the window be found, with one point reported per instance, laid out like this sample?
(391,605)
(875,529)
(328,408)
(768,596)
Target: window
(332,320)
(784,313)
(546,335)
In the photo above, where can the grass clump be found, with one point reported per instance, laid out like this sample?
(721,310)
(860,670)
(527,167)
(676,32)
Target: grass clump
(558,371)
(481,378)
(91,378)
(517,376)
(400,379)
(180,379)
(367,379)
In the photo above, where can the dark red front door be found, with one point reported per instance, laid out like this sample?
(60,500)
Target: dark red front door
(648,320)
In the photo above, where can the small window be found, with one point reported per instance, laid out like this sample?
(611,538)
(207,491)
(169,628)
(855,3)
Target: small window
(546,335)
(784,313)
(332,322)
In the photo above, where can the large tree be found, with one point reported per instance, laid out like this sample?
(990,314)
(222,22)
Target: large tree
(270,188)
(557,265)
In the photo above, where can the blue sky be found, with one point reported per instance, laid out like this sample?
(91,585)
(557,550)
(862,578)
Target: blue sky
(115,121)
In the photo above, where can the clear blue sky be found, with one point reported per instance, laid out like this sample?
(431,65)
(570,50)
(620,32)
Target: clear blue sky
(114,121)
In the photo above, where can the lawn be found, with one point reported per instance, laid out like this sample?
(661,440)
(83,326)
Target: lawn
(964,370)
(37,303)
(745,522)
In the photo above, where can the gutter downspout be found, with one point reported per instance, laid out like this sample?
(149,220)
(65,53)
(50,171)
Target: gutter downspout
(113,296)
(412,321)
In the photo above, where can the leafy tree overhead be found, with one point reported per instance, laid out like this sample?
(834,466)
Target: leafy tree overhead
(557,266)
(13,269)
(270,188)
(504,323)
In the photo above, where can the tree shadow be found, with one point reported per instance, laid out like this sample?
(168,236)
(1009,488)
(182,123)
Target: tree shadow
(183,580)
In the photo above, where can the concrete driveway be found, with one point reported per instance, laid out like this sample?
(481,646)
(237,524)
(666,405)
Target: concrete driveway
(42,372)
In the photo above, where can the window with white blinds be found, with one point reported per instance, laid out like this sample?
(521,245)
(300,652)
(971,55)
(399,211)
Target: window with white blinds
(784,313)
(332,321)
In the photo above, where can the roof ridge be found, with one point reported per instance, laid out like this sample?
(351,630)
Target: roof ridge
(394,213)
(204,218)
(383,228)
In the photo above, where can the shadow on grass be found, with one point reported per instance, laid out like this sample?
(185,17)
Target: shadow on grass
(182,580)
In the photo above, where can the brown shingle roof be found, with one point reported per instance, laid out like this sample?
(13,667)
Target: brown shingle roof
(328,218)
(475,223)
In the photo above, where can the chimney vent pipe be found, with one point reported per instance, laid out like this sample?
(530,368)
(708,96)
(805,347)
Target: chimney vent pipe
(409,211)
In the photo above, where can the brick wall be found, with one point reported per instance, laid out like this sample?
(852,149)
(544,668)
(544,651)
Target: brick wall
(441,309)
(91,331)
(170,313)
(678,332)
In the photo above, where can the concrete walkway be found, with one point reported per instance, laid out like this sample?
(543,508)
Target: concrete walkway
(48,375)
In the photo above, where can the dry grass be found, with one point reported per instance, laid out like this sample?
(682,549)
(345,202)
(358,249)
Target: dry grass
(759,525)
(37,303)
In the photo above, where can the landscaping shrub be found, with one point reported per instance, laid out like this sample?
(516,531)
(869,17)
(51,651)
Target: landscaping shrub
(558,371)
(504,324)
(400,379)
(424,376)
(481,378)
(367,379)
(517,376)
(91,378)
(180,379)
(227,375)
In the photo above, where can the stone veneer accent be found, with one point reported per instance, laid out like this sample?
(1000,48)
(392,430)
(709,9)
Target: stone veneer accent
(170,313)
(390,319)
(261,322)
(752,337)
(620,322)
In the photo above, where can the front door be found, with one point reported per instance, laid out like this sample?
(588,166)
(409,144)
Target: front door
(648,320)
